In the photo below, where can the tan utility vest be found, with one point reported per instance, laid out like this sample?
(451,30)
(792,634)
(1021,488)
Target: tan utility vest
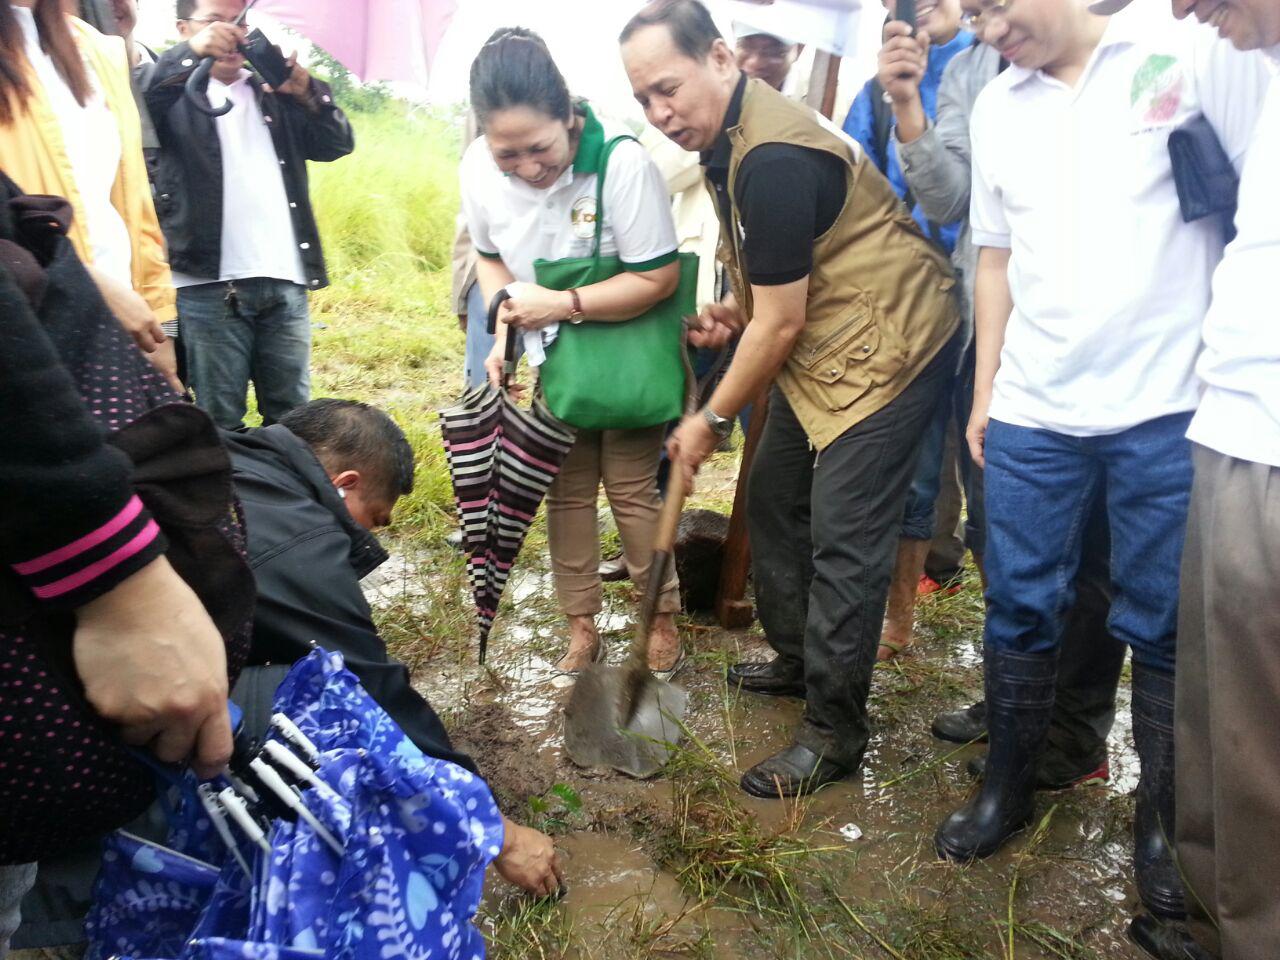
(880,295)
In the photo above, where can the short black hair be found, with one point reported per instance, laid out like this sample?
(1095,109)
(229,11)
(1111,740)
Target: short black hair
(350,435)
(515,69)
(689,22)
(185,8)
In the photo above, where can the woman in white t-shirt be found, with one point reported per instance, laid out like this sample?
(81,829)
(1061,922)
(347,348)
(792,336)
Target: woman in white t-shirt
(529,192)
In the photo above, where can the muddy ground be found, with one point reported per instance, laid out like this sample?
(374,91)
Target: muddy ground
(687,865)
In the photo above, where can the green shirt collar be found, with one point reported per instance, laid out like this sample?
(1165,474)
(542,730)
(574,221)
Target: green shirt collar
(591,145)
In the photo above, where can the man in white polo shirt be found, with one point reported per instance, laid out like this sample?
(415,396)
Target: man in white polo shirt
(1090,292)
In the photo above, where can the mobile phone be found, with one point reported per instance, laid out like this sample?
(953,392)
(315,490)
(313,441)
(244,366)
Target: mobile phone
(905,10)
(266,58)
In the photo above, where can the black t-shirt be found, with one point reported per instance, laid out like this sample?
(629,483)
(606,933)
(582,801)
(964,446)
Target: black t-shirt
(787,197)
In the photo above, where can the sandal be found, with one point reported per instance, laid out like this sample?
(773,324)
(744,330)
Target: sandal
(679,664)
(599,657)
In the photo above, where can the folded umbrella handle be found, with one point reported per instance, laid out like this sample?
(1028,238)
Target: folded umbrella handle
(510,348)
(196,90)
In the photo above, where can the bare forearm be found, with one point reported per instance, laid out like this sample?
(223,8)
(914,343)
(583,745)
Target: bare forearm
(911,120)
(628,294)
(993,305)
(761,353)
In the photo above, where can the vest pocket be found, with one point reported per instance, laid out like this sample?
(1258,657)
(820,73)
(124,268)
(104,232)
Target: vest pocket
(841,360)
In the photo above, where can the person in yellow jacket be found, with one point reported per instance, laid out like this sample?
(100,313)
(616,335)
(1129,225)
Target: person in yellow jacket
(69,127)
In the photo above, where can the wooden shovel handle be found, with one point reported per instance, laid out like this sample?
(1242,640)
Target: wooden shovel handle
(672,506)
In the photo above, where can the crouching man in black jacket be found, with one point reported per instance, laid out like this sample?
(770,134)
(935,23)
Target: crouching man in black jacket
(312,487)
(233,201)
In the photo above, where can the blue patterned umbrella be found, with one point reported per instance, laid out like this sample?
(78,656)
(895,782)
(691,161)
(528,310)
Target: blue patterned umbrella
(415,835)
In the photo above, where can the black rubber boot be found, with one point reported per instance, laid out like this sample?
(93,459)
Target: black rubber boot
(1156,872)
(1019,704)
(968,725)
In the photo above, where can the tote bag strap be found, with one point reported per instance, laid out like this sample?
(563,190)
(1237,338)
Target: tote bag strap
(604,166)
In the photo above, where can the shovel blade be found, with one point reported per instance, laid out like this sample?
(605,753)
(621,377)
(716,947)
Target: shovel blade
(594,732)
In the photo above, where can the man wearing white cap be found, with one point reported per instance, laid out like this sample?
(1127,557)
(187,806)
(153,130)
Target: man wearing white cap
(1089,298)
(765,55)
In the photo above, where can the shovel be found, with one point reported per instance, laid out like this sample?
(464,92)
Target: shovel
(625,717)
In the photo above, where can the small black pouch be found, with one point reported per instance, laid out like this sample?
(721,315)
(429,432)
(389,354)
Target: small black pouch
(1207,182)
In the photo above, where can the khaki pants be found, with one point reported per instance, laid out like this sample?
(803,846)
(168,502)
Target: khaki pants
(627,463)
(1227,708)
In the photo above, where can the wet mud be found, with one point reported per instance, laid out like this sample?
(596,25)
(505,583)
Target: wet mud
(627,846)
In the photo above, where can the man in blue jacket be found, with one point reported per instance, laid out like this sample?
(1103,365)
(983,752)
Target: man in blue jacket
(871,121)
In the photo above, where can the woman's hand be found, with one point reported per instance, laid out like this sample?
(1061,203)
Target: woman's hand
(529,860)
(495,366)
(131,310)
(139,322)
(152,661)
(532,307)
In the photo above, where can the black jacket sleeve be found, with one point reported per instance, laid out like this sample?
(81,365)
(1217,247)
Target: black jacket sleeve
(71,527)
(308,594)
(323,129)
(164,84)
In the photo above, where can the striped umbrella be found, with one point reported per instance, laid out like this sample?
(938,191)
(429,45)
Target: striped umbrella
(502,458)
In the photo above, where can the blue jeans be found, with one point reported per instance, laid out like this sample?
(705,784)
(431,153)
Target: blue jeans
(1039,487)
(255,330)
(919,519)
(479,339)
(15,881)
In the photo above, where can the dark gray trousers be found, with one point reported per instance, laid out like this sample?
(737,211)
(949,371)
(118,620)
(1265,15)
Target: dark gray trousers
(1227,707)
(824,534)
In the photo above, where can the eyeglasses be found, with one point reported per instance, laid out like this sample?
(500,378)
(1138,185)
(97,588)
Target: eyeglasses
(208,20)
(990,9)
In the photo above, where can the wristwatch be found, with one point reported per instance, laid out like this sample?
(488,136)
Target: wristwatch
(575,313)
(719,425)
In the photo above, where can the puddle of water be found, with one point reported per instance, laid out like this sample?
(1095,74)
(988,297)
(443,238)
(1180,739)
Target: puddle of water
(607,875)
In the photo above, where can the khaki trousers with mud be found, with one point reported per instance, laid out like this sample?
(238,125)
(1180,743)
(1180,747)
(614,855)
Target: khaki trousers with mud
(626,462)
(1227,708)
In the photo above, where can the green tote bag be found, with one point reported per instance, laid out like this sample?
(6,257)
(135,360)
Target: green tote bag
(616,375)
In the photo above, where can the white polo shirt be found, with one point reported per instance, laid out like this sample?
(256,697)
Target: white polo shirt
(258,239)
(1109,285)
(514,222)
(1240,412)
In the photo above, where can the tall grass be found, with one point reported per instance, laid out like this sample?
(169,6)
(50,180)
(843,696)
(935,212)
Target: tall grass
(389,337)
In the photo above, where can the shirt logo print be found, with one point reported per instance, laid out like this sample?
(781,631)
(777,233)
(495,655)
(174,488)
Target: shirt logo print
(1156,94)
(583,217)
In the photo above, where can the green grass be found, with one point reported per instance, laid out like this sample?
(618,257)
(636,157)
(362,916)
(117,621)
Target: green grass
(387,216)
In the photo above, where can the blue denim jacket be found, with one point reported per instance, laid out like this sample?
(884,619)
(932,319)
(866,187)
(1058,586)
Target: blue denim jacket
(860,124)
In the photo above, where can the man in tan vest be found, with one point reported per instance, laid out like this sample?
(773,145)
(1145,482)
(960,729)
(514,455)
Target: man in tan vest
(850,310)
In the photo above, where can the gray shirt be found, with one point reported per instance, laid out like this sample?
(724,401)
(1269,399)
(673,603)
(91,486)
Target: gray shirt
(936,165)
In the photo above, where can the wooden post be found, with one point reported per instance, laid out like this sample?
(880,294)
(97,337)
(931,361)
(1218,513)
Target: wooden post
(733,609)
(822,83)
